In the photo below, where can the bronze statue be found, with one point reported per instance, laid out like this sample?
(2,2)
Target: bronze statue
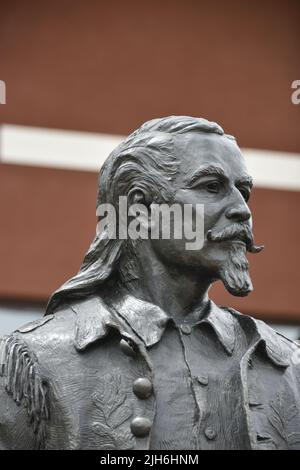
(132,353)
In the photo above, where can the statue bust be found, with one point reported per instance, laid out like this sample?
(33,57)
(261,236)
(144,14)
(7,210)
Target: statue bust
(132,353)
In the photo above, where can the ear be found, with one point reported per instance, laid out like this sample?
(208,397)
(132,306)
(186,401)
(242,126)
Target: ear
(139,196)
(138,209)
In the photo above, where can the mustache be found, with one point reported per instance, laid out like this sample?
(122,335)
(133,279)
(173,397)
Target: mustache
(236,231)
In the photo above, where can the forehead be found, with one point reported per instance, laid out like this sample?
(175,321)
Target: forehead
(198,149)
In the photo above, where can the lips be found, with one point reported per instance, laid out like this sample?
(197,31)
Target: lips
(238,241)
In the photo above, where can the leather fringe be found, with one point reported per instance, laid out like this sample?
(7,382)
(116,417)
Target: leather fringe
(24,383)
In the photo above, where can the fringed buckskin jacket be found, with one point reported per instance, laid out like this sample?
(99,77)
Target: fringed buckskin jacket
(123,375)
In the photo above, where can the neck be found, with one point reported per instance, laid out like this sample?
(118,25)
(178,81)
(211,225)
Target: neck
(181,293)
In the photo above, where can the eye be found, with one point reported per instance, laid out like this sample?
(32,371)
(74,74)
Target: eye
(213,186)
(245,193)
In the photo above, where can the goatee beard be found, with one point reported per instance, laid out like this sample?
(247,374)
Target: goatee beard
(235,272)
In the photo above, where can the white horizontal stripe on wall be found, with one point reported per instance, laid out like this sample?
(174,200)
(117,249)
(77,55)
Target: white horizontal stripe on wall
(273,169)
(55,148)
(87,151)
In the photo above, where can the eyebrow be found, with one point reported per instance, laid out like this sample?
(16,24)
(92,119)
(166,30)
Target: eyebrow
(210,170)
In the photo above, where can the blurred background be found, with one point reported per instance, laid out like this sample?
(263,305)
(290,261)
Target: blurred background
(80,74)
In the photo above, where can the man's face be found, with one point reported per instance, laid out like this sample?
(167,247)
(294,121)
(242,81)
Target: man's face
(213,173)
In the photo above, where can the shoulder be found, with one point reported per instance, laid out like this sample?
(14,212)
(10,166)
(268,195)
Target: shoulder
(29,340)
(29,357)
(71,327)
(56,326)
(22,382)
(61,327)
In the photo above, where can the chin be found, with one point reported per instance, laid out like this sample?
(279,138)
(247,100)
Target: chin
(234,272)
(237,292)
(237,282)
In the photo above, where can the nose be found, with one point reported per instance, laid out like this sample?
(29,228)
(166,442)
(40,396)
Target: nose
(240,213)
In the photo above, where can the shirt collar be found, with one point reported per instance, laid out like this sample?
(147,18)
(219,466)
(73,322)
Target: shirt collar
(146,320)
(149,321)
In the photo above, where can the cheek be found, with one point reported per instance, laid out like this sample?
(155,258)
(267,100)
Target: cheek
(168,250)
(212,214)
(213,211)
(174,251)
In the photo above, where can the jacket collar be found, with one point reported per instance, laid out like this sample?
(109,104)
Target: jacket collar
(142,320)
(277,347)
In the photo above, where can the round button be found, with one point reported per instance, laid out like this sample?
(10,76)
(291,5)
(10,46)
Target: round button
(142,387)
(203,379)
(127,348)
(140,426)
(210,433)
(186,329)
